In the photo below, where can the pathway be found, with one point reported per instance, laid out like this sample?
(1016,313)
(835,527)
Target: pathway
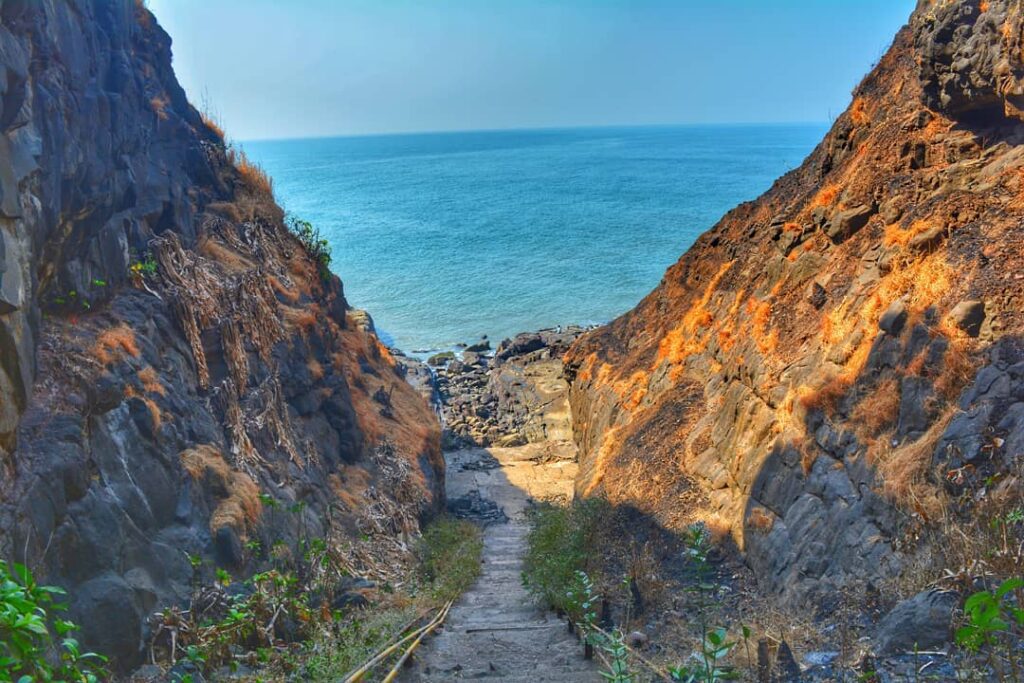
(496,631)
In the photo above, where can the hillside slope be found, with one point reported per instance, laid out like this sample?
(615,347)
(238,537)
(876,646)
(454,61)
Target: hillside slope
(838,365)
(179,377)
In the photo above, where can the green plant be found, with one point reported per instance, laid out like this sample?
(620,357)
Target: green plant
(995,621)
(581,601)
(707,668)
(143,268)
(223,577)
(314,243)
(559,544)
(618,655)
(449,557)
(28,650)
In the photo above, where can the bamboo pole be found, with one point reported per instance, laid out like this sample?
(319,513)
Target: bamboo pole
(424,632)
(358,674)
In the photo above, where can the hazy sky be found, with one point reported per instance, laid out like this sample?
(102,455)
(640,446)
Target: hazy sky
(299,68)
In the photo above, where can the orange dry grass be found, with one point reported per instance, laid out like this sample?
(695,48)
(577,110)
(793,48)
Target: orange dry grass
(111,343)
(879,409)
(210,122)
(154,409)
(767,341)
(859,111)
(760,520)
(159,106)
(904,470)
(150,382)
(827,396)
(826,196)
(958,364)
(685,339)
(224,255)
(241,506)
(414,429)
(921,282)
(289,295)
(609,446)
(252,174)
(304,320)
(316,370)
(632,391)
(897,236)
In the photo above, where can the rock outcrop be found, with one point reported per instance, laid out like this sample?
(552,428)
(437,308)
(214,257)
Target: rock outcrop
(180,381)
(833,363)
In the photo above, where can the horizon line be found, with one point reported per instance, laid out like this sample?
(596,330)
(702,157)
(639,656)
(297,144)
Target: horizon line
(534,129)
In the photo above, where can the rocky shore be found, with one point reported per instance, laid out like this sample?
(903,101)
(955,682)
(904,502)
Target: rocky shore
(509,396)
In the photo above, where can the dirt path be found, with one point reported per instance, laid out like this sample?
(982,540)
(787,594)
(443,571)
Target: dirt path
(496,631)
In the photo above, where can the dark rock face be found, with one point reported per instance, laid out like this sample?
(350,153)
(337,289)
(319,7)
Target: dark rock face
(970,64)
(923,621)
(175,375)
(833,362)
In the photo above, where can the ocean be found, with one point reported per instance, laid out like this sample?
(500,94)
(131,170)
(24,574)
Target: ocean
(446,237)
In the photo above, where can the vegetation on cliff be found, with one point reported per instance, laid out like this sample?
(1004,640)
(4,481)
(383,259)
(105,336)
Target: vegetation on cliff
(184,398)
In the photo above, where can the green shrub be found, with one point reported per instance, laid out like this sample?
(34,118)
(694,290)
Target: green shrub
(337,652)
(449,557)
(28,650)
(317,246)
(558,545)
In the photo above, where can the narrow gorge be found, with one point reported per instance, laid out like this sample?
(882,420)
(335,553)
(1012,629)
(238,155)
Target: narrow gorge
(829,384)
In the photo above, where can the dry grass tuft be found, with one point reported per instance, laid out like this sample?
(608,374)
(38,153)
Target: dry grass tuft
(687,338)
(826,196)
(154,410)
(289,295)
(958,364)
(251,173)
(111,343)
(316,370)
(150,382)
(826,397)
(859,112)
(211,122)
(904,470)
(879,409)
(159,106)
(240,507)
(895,235)
(760,520)
(303,320)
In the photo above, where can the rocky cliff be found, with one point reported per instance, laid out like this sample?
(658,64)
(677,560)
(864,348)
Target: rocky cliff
(838,365)
(180,379)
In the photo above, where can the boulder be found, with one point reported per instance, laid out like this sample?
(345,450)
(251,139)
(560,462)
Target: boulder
(922,621)
(968,316)
(479,347)
(845,223)
(894,318)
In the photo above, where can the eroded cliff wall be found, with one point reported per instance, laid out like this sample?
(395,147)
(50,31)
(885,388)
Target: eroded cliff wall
(833,364)
(178,377)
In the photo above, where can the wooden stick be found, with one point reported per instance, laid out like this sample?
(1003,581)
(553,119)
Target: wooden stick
(416,643)
(376,659)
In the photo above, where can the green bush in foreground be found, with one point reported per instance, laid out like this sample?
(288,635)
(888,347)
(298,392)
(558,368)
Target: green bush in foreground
(449,557)
(559,543)
(448,562)
(28,651)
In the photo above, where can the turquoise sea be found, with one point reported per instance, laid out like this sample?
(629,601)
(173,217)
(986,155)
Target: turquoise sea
(445,237)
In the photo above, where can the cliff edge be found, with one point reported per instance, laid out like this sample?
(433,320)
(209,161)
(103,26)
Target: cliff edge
(177,368)
(837,367)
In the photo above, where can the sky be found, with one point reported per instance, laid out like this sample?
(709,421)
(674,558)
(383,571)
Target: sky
(306,68)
